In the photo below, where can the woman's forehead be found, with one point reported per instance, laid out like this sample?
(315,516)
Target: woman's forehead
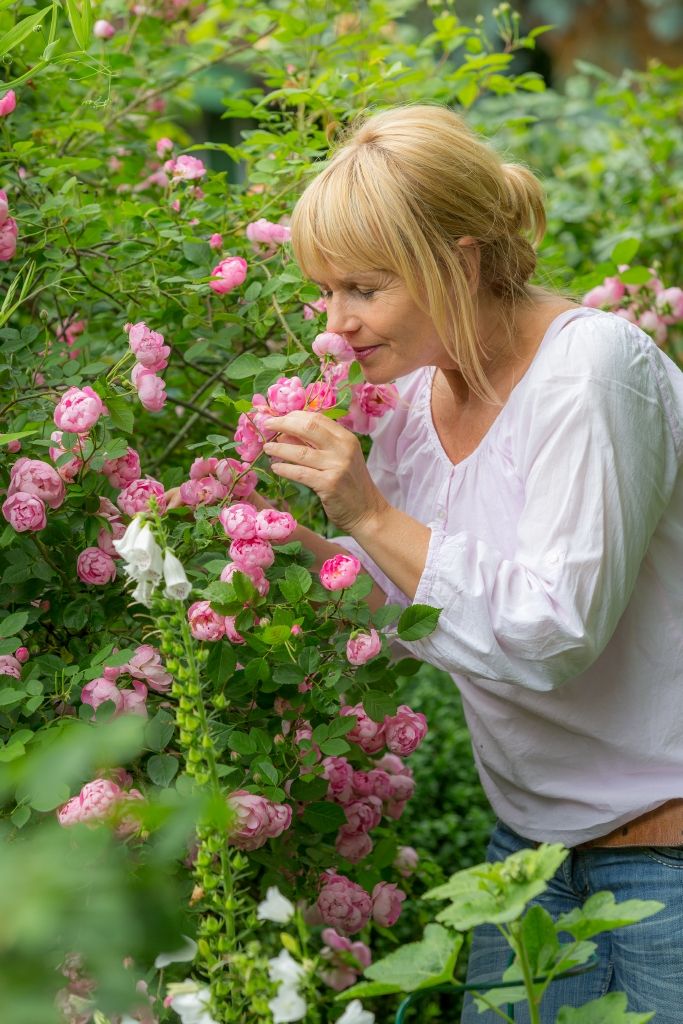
(333,273)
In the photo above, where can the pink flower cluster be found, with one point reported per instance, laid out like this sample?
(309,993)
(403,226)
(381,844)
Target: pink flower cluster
(185,168)
(401,733)
(346,959)
(8,226)
(33,485)
(366,796)
(347,907)
(264,232)
(152,357)
(257,820)
(147,671)
(97,800)
(10,665)
(650,306)
(212,480)
(136,495)
(95,567)
(69,469)
(115,527)
(369,402)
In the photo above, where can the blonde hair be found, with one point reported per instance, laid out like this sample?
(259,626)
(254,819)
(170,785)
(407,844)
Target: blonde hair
(401,191)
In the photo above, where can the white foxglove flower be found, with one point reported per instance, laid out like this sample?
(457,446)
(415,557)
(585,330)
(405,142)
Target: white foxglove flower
(180,956)
(124,545)
(355,1014)
(288,1005)
(191,1003)
(178,586)
(144,553)
(275,907)
(285,968)
(143,592)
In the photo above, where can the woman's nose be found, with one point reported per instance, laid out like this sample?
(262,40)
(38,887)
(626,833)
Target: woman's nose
(340,319)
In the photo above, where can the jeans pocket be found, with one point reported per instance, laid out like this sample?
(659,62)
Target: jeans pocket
(672,856)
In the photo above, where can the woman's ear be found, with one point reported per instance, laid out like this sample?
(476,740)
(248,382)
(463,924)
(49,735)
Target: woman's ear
(471,256)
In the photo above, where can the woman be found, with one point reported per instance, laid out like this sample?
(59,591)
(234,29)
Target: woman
(529,485)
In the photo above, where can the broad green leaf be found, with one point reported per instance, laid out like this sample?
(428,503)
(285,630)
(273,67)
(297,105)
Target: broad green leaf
(21,30)
(419,964)
(377,705)
(624,251)
(334,747)
(159,730)
(497,893)
(9,694)
(246,365)
(121,412)
(324,817)
(16,436)
(636,275)
(601,913)
(386,615)
(162,768)
(368,990)
(417,621)
(221,663)
(242,743)
(12,624)
(609,1009)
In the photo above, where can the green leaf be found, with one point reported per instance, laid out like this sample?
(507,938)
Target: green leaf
(309,787)
(221,663)
(417,621)
(386,615)
(80,18)
(246,365)
(266,767)
(242,743)
(324,817)
(121,412)
(377,705)
(334,747)
(624,251)
(367,990)
(419,964)
(21,30)
(275,636)
(159,730)
(161,769)
(636,275)
(120,658)
(497,893)
(9,695)
(18,434)
(609,1009)
(12,624)
(601,913)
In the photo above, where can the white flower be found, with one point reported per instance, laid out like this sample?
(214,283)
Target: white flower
(355,1014)
(144,557)
(177,584)
(288,1005)
(143,592)
(180,956)
(124,545)
(284,968)
(275,907)
(191,1003)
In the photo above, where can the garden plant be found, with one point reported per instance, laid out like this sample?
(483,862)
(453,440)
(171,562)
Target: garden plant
(204,733)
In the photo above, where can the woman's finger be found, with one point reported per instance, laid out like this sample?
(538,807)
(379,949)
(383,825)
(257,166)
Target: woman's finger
(301,454)
(311,427)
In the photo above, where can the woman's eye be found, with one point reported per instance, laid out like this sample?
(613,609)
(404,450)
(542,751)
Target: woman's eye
(366,295)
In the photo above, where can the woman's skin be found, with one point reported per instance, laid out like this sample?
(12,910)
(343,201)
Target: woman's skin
(375,311)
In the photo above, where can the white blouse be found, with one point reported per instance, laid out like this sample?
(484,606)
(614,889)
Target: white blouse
(556,554)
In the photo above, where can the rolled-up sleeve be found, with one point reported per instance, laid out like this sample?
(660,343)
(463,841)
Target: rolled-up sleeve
(598,463)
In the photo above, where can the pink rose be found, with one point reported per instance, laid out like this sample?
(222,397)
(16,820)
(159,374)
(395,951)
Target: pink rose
(274,526)
(8,239)
(607,294)
(203,467)
(255,574)
(286,395)
(377,399)
(13,447)
(151,390)
(343,904)
(35,477)
(392,764)
(99,691)
(216,241)
(96,567)
(96,800)
(311,308)
(354,846)
(239,521)
(343,971)
(185,168)
(134,701)
(24,512)
(249,440)
(321,394)
(339,572)
(380,783)
(356,419)
(22,655)
(78,410)
(70,469)
(386,903)
(361,647)
(228,274)
(268,233)
(69,330)
(4,207)
(257,820)
(250,553)
(122,471)
(369,735)
(103,29)
(405,730)
(279,818)
(363,815)
(669,305)
(8,103)
(652,323)
(328,345)
(406,860)
(231,631)
(10,666)
(339,774)
(205,623)
(146,664)
(401,787)
(206,491)
(237,477)
(136,496)
(106,537)
(163,145)
(148,347)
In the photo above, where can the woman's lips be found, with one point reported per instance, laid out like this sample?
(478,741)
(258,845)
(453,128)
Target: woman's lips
(364,353)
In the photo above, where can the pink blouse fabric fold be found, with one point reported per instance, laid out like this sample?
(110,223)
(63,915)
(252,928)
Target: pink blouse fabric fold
(556,554)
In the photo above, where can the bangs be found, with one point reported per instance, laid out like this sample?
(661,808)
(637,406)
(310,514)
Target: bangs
(341,220)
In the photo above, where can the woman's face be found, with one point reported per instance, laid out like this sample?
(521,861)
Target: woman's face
(388,331)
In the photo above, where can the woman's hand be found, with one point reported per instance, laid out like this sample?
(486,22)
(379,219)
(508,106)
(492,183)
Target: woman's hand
(329,460)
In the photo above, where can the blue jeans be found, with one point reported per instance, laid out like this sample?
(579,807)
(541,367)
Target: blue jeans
(643,960)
